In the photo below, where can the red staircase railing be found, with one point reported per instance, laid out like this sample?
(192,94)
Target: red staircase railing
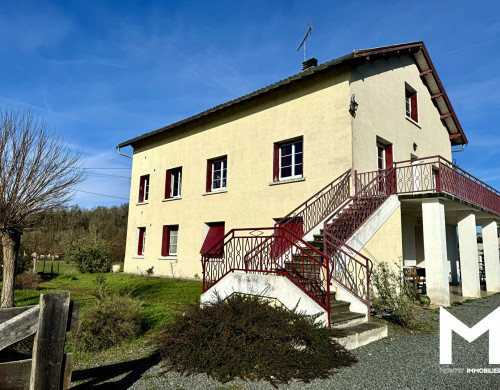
(350,268)
(284,253)
(309,214)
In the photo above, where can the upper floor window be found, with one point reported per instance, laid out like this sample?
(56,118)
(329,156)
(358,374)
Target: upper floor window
(411,103)
(288,161)
(141,241)
(173,182)
(144,189)
(169,240)
(217,174)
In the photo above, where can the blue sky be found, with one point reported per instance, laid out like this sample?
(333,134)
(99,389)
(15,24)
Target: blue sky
(102,72)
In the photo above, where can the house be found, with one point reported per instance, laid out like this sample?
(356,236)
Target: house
(295,190)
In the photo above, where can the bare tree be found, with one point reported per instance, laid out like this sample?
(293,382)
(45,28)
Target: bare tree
(37,172)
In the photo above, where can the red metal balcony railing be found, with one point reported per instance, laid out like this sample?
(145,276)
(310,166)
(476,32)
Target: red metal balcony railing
(274,250)
(437,174)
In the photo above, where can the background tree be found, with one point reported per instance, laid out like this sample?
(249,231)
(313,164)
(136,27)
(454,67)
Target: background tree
(37,172)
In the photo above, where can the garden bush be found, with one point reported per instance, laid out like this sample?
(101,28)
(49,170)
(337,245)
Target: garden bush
(112,320)
(27,281)
(90,253)
(392,297)
(244,337)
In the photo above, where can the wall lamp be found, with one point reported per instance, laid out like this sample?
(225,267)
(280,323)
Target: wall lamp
(415,146)
(353,107)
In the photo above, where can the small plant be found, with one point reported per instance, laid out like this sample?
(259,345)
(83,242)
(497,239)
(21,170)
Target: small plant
(393,298)
(102,285)
(150,271)
(424,300)
(244,337)
(28,281)
(111,321)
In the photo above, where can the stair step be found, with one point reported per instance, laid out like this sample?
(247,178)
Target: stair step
(339,306)
(362,334)
(318,237)
(343,320)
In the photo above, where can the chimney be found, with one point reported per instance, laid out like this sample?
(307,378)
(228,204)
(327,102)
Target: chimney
(310,63)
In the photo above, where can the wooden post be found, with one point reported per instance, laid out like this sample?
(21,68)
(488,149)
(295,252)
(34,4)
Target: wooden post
(48,348)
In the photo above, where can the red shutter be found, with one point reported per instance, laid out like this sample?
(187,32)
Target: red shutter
(141,190)
(165,241)
(276,163)
(209,176)
(414,107)
(214,235)
(168,184)
(389,159)
(140,244)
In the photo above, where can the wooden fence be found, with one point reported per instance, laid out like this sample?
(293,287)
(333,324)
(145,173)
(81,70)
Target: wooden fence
(49,367)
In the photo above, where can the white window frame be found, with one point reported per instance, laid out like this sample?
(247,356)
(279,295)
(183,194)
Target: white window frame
(293,143)
(178,172)
(170,231)
(408,113)
(382,147)
(223,162)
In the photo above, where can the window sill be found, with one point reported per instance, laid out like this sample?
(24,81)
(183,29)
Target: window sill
(167,258)
(412,121)
(215,192)
(171,199)
(138,257)
(141,203)
(285,181)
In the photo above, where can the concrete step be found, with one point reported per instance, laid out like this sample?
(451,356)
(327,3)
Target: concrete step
(343,320)
(339,306)
(362,334)
(316,244)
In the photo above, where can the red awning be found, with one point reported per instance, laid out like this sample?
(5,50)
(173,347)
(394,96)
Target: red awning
(214,235)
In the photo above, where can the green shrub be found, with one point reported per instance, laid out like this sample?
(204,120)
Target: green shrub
(23,264)
(244,337)
(27,281)
(392,297)
(111,321)
(90,254)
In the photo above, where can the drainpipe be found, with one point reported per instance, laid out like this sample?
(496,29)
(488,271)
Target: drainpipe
(120,153)
(459,150)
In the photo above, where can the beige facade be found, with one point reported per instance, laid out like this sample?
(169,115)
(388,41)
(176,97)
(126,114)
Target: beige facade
(315,108)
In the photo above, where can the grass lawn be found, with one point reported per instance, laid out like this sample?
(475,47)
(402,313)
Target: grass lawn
(56,267)
(160,298)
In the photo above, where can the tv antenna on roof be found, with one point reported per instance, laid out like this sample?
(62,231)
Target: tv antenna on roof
(303,43)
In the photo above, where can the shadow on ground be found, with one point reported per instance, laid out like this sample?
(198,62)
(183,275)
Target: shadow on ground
(127,373)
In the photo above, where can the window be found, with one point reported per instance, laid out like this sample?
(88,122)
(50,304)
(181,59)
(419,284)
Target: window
(216,174)
(169,240)
(287,160)
(214,235)
(141,241)
(144,189)
(411,103)
(173,181)
(384,155)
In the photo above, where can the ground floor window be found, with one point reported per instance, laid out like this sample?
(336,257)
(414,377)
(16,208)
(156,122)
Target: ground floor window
(170,240)
(214,235)
(141,241)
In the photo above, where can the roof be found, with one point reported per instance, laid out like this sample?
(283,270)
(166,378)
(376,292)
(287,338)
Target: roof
(427,72)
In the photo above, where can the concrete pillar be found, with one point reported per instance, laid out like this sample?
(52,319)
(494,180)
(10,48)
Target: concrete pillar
(467,240)
(491,255)
(452,248)
(436,259)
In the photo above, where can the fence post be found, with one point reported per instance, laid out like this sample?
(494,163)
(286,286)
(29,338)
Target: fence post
(48,348)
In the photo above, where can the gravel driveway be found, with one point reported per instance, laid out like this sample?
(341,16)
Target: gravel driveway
(402,361)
